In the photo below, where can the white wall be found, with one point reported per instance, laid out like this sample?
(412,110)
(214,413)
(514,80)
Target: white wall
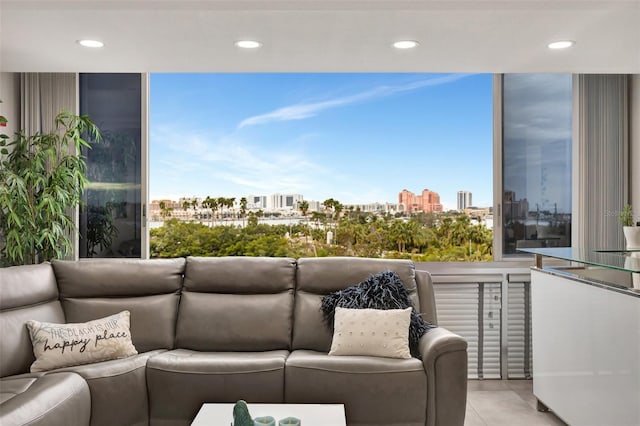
(10,96)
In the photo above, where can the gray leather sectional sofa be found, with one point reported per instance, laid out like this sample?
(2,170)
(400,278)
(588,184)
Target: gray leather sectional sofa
(218,330)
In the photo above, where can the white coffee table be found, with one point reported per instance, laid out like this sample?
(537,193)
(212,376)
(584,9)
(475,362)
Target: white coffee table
(309,414)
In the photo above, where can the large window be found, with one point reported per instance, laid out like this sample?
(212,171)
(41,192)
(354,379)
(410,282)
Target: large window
(321,164)
(111,216)
(536,161)
(356,164)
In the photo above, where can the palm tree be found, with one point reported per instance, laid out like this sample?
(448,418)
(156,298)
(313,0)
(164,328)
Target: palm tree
(221,202)
(460,231)
(318,217)
(421,237)
(401,233)
(194,205)
(243,208)
(333,208)
(204,204)
(163,207)
(328,203)
(303,206)
(230,203)
(212,204)
(346,235)
(165,211)
(337,207)
(185,206)
(444,232)
(350,212)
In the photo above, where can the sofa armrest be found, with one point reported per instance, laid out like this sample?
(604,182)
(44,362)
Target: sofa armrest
(444,355)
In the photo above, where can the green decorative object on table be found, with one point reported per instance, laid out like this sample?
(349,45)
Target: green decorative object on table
(289,421)
(241,416)
(264,421)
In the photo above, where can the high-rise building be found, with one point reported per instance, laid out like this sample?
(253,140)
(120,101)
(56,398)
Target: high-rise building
(284,201)
(427,202)
(255,202)
(390,208)
(464,200)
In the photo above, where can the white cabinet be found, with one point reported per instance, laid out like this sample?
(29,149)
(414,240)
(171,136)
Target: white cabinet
(586,347)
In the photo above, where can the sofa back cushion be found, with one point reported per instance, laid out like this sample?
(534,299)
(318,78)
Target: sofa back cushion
(26,293)
(148,289)
(237,304)
(317,277)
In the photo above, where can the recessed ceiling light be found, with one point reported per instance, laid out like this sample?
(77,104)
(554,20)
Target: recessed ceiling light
(562,44)
(405,44)
(248,44)
(90,43)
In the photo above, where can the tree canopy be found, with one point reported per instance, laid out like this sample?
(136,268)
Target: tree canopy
(420,237)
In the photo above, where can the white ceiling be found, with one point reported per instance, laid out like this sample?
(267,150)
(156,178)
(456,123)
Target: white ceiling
(320,35)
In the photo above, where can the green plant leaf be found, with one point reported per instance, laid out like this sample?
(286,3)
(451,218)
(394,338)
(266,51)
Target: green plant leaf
(40,182)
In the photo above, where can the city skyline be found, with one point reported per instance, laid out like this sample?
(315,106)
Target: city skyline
(357,138)
(411,202)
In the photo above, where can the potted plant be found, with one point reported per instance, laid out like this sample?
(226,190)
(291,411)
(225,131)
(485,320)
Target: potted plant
(631,232)
(42,177)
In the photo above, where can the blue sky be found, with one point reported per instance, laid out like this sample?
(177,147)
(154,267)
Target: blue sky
(357,138)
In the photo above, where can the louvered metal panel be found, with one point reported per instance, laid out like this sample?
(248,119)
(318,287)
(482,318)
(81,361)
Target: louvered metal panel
(492,330)
(460,310)
(457,308)
(500,326)
(519,359)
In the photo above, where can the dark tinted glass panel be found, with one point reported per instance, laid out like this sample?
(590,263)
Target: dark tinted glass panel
(536,161)
(110,220)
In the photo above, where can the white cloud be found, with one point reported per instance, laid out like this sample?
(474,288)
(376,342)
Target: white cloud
(230,164)
(189,160)
(306,110)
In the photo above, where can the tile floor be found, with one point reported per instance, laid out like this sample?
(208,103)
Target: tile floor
(505,402)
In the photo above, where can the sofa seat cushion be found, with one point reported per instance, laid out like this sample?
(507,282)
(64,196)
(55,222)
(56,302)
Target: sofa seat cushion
(54,399)
(375,390)
(180,381)
(118,389)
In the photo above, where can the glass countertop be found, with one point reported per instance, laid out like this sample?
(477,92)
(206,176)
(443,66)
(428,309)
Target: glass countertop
(623,260)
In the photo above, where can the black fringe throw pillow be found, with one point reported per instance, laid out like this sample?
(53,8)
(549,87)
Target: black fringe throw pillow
(383,290)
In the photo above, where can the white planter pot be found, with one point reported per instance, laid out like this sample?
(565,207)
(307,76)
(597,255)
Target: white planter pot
(629,263)
(632,235)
